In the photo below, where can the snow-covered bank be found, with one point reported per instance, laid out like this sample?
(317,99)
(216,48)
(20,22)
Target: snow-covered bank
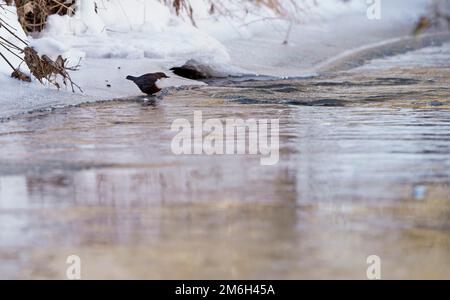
(118,38)
(310,44)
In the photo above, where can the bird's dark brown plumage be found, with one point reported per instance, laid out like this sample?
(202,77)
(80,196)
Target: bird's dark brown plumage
(147,82)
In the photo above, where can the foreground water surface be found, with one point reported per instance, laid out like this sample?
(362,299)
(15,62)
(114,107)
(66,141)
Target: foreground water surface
(364,170)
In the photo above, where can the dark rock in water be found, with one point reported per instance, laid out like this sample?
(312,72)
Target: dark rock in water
(195,70)
(190,73)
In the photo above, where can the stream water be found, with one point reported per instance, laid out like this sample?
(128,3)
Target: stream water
(364,170)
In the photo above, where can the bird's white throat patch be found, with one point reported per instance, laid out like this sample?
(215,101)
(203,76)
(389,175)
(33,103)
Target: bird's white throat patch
(163,83)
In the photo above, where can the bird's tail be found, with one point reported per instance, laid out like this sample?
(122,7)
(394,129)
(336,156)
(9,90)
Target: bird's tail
(132,78)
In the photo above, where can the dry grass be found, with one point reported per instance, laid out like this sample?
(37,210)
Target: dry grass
(180,6)
(32,17)
(438,17)
(33,13)
(283,8)
(42,67)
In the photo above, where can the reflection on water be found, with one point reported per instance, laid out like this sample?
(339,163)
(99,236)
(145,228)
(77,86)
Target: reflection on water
(364,169)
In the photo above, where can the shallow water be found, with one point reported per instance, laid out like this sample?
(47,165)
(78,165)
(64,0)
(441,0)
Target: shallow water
(364,169)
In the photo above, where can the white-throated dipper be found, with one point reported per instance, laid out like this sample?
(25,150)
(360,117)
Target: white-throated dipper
(148,83)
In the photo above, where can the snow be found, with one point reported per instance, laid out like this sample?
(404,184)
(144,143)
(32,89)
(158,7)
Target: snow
(116,38)
(426,57)
(132,29)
